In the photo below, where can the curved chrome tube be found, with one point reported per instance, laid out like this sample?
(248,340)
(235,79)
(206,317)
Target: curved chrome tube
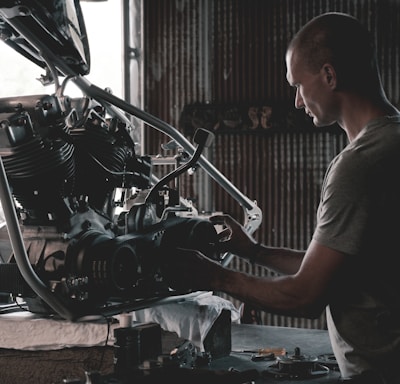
(19,250)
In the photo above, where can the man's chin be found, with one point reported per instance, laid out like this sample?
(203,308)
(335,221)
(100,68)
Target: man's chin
(321,124)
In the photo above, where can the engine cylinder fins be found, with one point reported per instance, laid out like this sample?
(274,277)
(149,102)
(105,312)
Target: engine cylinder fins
(37,161)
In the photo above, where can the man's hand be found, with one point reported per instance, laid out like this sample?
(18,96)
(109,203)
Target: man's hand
(189,269)
(233,238)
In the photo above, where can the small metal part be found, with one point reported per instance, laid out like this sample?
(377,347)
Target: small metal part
(263,357)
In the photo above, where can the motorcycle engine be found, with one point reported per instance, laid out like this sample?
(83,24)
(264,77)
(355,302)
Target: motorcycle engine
(79,188)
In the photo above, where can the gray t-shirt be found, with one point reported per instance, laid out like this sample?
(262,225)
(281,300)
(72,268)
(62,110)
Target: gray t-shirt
(359,215)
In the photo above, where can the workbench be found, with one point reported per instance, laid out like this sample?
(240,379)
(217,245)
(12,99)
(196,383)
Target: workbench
(55,366)
(246,337)
(306,353)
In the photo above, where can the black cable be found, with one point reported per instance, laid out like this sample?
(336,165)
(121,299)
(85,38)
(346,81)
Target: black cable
(109,321)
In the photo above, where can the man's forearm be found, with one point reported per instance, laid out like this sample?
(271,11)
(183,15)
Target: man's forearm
(281,260)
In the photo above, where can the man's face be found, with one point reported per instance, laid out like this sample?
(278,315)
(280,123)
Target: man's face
(312,91)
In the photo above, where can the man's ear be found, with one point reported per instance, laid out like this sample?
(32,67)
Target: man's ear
(330,75)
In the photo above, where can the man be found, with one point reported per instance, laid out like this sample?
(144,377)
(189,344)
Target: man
(350,266)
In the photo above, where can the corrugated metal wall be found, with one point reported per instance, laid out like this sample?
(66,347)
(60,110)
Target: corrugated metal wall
(231,52)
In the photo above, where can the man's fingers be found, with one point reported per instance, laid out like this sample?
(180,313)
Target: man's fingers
(225,234)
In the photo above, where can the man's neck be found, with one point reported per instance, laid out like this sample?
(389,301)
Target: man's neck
(357,112)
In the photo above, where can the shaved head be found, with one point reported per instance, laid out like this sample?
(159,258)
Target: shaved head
(342,41)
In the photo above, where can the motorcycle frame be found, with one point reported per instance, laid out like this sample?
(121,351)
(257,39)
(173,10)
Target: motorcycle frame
(115,106)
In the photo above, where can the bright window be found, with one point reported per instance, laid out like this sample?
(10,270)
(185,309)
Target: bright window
(103,20)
